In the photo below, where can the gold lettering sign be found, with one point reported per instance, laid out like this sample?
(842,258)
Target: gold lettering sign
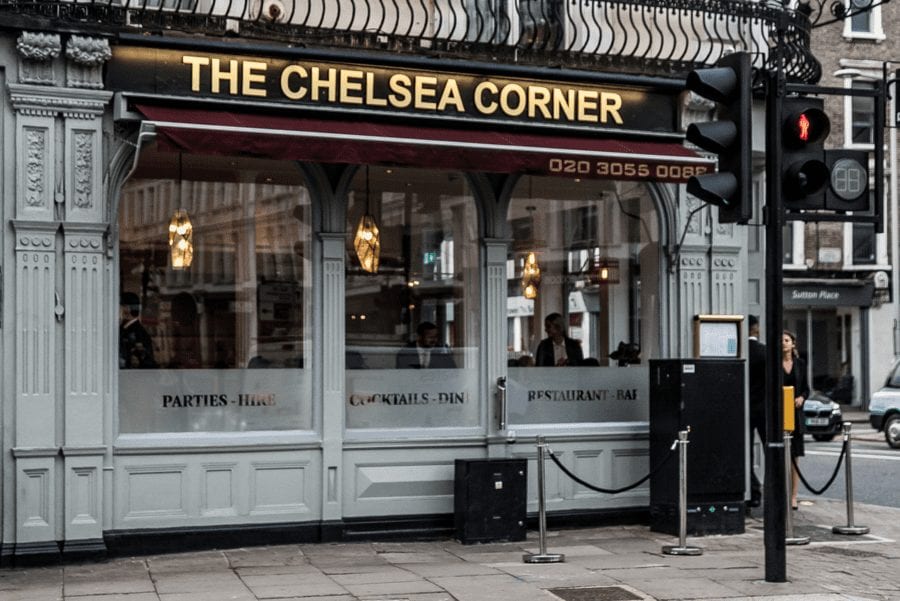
(423,92)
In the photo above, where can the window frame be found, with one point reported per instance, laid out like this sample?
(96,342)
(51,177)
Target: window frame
(849,112)
(876,29)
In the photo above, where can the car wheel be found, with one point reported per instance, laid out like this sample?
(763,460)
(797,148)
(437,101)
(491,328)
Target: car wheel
(823,437)
(892,431)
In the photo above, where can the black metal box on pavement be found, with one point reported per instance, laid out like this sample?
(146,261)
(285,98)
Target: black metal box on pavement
(489,500)
(707,396)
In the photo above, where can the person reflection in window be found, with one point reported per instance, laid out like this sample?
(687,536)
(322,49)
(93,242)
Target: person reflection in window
(425,352)
(135,345)
(557,349)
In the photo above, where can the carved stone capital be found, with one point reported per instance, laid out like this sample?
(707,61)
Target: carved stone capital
(38,51)
(40,47)
(35,235)
(88,52)
(695,262)
(86,58)
(84,238)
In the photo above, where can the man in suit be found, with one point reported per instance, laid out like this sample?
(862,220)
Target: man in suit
(557,349)
(425,352)
(756,352)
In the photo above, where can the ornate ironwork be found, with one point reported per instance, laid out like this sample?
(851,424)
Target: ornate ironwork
(632,36)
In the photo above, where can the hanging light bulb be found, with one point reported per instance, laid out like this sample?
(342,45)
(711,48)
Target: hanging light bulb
(367,241)
(531,276)
(181,240)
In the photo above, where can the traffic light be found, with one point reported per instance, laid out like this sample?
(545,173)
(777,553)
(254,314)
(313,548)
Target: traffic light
(727,84)
(848,188)
(804,174)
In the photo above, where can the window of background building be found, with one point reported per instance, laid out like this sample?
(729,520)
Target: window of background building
(596,245)
(862,115)
(866,24)
(860,22)
(225,342)
(863,244)
(787,242)
(428,274)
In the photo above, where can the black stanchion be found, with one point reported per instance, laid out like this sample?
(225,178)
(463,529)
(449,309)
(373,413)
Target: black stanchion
(850,528)
(682,548)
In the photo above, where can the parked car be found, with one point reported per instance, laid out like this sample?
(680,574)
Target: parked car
(884,408)
(822,416)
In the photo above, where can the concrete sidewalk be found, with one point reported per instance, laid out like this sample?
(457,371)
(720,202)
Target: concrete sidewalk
(615,563)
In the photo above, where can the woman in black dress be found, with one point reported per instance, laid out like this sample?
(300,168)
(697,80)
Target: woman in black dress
(795,375)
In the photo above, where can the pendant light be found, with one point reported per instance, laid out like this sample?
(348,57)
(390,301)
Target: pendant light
(181,232)
(531,271)
(368,240)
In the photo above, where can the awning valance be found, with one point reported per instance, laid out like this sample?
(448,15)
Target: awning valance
(280,136)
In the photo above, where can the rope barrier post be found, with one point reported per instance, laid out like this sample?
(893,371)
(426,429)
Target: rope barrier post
(850,528)
(789,538)
(682,548)
(542,556)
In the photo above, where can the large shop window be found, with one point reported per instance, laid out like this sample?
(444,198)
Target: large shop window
(214,277)
(583,301)
(412,324)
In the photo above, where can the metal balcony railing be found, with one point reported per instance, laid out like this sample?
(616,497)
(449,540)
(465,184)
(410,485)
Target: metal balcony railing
(633,36)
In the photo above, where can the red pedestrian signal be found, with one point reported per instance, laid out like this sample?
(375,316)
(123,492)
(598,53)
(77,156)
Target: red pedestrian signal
(804,175)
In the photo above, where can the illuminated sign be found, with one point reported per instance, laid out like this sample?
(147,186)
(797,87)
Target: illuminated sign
(329,86)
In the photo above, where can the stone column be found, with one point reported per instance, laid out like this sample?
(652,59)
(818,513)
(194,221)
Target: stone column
(333,381)
(728,269)
(62,353)
(88,357)
(495,324)
(692,295)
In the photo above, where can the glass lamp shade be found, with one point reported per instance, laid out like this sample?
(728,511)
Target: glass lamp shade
(181,240)
(531,276)
(367,244)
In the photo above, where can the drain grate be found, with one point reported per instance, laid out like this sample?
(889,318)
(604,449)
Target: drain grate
(595,593)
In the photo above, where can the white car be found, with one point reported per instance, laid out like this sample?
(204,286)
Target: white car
(884,408)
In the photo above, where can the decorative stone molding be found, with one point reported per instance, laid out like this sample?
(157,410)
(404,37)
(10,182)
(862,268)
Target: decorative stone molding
(83,158)
(49,102)
(694,225)
(35,159)
(86,58)
(695,109)
(35,235)
(38,51)
(694,262)
(725,229)
(84,243)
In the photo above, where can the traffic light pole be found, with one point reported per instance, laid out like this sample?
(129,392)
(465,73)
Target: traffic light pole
(775,490)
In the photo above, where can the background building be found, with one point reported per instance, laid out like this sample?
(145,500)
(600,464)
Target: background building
(851,340)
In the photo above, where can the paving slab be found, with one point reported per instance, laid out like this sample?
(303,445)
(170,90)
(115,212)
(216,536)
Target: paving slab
(305,590)
(116,597)
(453,568)
(393,590)
(386,574)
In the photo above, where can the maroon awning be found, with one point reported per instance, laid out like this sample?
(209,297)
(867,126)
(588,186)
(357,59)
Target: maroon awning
(280,136)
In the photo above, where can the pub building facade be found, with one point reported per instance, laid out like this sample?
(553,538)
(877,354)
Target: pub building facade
(224,227)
